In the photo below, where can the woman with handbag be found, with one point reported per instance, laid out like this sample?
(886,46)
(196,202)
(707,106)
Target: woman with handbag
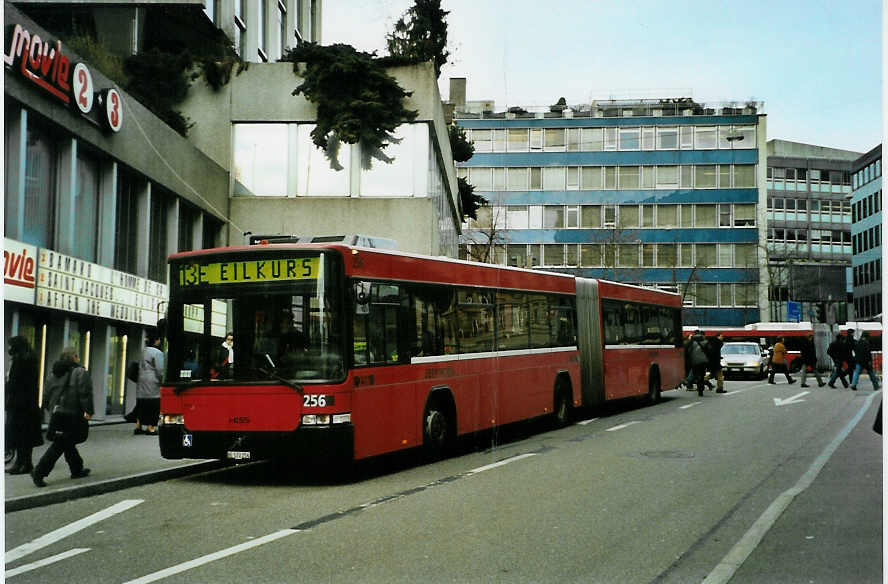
(69,401)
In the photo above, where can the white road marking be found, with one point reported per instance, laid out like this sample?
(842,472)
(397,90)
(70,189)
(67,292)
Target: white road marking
(500,463)
(172,570)
(44,562)
(72,528)
(621,426)
(585,422)
(790,400)
(729,565)
(689,405)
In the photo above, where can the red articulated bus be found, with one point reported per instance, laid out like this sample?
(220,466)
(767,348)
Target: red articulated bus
(360,351)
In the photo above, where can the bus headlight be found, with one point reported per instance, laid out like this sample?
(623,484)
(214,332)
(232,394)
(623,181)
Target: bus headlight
(172,419)
(325,419)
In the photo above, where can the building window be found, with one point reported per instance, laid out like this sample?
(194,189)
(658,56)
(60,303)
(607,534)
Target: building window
(592,139)
(86,205)
(282,27)
(240,27)
(630,138)
(261,159)
(262,31)
(516,139)
(704,137)
(629,177)
(157,248)
(126,253)
(705,176)
(187,216)
(667,138)
(554,140)
(41,156)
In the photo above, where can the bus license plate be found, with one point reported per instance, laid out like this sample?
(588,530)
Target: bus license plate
(238,455)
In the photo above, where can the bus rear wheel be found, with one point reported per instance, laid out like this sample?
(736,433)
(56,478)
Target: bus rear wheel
(437,430)
(654,390)
(563,405)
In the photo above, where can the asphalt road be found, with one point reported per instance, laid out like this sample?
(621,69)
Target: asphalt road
(666,493)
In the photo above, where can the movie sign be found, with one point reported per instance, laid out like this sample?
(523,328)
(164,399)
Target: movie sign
(19,271)
(43,63)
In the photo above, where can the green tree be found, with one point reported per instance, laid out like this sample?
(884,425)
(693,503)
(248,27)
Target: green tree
(460,146)
(357,100)
(421,34)
(469,200)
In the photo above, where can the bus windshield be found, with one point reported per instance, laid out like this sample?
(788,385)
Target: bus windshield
(270,318)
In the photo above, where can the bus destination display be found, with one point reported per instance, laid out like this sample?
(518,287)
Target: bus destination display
(240,272)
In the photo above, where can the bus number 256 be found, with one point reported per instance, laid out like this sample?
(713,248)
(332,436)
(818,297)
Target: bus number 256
(317,401)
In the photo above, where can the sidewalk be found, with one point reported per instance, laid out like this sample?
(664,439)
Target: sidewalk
(117,460)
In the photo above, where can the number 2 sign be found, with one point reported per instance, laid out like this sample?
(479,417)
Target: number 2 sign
(82,85)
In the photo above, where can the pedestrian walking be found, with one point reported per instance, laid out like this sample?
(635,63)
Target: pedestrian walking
(69,388)
(837,352)
(148,389)
(23,416)
(713,349)
(809,359)
(778,362)
(697,352)
(863,358)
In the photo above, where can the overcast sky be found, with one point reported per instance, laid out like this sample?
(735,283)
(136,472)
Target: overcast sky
(815,64)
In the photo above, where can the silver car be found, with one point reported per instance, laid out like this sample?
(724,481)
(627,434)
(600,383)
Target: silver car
(744,359)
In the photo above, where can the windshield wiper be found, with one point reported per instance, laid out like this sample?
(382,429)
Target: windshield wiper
(271,373)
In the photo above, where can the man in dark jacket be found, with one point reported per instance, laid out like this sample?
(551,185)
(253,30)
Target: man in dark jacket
(809,359)
(714,351)
(22,409)
(837,353)
(697,353)
(864,360)
(70,387)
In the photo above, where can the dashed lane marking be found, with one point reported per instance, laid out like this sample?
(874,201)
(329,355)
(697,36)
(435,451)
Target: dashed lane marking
(621,426)
(70,529)
(44,562)
(165,573)
(689,405)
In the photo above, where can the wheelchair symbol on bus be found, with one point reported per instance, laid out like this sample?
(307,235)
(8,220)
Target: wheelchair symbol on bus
(186,440)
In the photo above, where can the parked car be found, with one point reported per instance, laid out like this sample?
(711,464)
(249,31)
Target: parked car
(744,359)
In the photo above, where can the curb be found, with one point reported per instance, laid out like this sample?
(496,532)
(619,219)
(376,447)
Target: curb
(108,485)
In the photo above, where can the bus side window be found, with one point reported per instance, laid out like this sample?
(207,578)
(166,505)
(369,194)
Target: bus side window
(633,328)
(613,325)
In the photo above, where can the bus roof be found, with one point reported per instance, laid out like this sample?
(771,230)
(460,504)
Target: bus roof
(406,266)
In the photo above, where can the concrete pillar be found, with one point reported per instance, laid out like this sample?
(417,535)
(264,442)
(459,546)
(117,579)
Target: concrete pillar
(100,366)
(107,214)
(143,233)
(67,181)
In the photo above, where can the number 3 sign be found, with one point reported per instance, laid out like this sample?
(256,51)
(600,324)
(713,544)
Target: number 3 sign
(113,109)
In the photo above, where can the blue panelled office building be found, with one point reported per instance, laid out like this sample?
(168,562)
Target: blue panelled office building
(666,193)
(866,234)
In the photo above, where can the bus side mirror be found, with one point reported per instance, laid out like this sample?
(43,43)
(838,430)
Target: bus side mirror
(362,298)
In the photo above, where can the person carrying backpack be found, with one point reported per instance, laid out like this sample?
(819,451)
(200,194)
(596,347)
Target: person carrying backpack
(697,352)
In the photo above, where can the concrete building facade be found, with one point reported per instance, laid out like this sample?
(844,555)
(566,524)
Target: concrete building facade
(98,191)
(282,183)
(866,234)
(667,193)
(809,230)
